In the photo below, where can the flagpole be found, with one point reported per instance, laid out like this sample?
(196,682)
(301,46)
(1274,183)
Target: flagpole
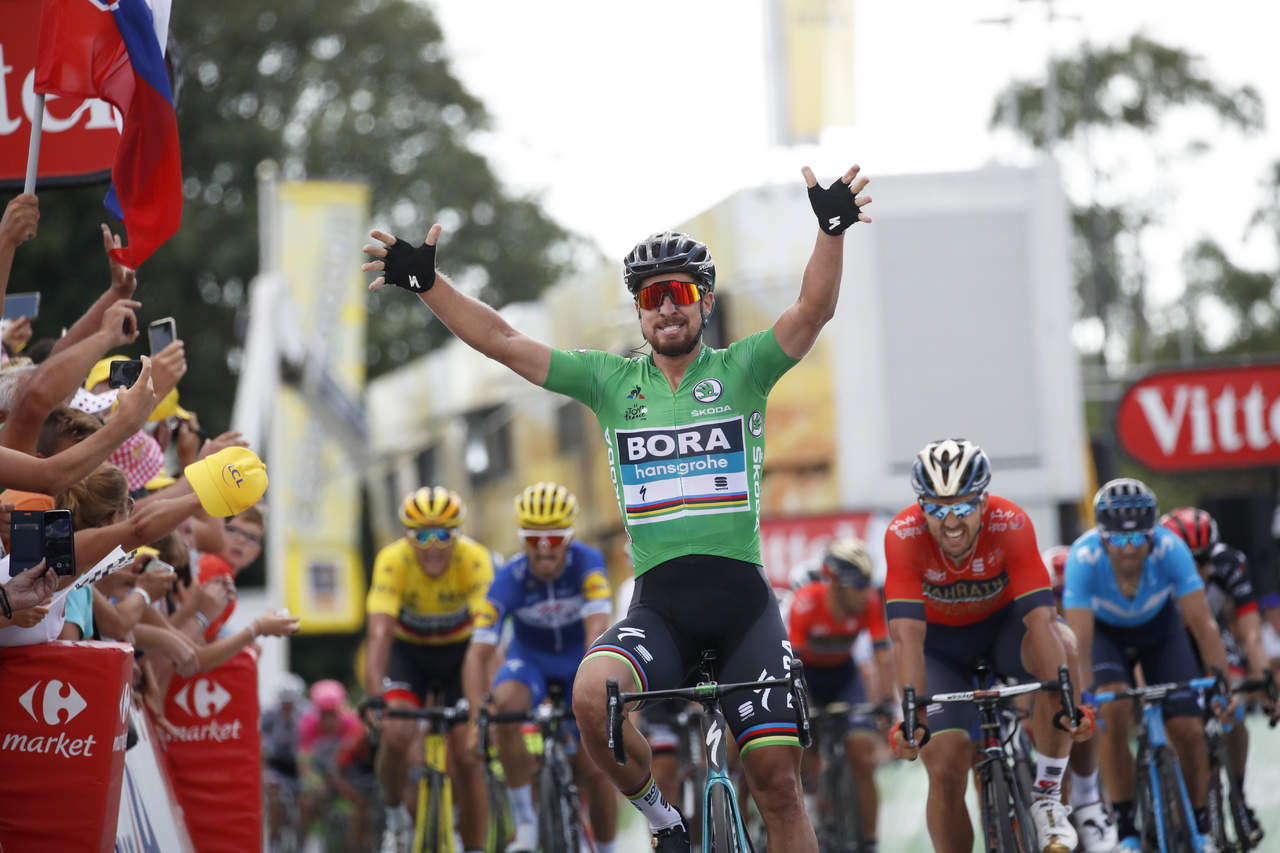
(33,150)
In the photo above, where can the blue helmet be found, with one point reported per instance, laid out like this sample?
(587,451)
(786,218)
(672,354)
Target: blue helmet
(1124,505)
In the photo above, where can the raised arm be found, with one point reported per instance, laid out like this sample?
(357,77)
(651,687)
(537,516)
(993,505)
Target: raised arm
(123,283)
(21,217)
(837,207)
(475,323)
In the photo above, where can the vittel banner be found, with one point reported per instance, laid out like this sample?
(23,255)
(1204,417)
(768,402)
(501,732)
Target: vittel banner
(79,138)
(1203,418)
(64,710)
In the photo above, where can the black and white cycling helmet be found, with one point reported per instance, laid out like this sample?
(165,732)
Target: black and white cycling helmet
(1124,505)
(848,563)
(950,468)
(669,252)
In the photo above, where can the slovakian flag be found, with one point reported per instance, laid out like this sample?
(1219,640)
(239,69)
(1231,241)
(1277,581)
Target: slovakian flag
(110,49)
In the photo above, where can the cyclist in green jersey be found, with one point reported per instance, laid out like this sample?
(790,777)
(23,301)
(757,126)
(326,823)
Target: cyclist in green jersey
(684,428)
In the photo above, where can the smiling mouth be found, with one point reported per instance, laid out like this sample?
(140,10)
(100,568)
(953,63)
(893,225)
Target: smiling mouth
(672,329)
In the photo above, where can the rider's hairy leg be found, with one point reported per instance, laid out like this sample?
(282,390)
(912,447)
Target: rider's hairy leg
(1113,745)
(466,774)
(517,763)
(773,774)
(589,711)
(948,757)
(395,752)
(602,799)
(860,751)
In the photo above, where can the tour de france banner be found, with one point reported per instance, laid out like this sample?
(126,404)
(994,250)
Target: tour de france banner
(63,733)
(315,483)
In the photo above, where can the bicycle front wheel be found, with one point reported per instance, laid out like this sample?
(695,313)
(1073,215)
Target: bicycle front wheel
(1179,824)
(499,816)
(556,823)
(722,822)
(997,827)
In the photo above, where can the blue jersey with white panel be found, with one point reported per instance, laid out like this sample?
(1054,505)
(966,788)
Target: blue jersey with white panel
(1168,573)
(547,617)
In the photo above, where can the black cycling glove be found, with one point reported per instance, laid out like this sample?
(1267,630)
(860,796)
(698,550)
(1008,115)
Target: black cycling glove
(410,267)
(834,206)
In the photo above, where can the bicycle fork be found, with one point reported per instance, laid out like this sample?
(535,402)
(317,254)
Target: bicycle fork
(714,732)
(1156,738)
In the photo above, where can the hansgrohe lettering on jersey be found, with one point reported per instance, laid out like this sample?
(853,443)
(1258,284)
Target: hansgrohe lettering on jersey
(688,469)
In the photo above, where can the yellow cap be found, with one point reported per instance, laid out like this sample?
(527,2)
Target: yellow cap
(102,371)
(158,482)
(145,551)
(228,482)
(167,407)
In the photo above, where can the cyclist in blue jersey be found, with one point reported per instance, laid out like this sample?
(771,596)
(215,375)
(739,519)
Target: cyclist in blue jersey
(1130,587)
(556,595)
(685,430)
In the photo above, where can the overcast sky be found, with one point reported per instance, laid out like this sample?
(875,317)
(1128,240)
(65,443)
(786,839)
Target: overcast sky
(629,117)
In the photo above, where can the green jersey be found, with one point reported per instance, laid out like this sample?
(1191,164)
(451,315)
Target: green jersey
(686,465)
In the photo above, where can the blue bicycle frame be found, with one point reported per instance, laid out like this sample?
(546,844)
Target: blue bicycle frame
(1153,720)
(714,732)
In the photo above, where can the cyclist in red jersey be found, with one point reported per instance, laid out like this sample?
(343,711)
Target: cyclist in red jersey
(965,581)
(827,616)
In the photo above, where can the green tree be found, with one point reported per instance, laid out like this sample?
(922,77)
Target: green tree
(1123,94)
(331,90)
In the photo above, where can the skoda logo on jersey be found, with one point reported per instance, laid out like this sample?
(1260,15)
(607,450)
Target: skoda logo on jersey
(708,390)
(755,424)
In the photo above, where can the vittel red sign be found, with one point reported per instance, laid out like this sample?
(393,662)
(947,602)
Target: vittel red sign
(79,136)
(1200,419)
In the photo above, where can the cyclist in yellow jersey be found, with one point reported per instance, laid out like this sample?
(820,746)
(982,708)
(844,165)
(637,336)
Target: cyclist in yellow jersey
(426,590)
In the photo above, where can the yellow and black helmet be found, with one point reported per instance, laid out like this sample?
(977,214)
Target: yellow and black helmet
(546,506)
(431,506)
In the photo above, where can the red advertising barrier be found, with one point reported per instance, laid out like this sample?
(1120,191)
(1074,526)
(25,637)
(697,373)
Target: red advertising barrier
(63,723)
(1203,418)
(214,759)
(79,141)
(787,542)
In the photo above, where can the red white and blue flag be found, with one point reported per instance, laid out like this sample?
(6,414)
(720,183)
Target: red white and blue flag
(113,50)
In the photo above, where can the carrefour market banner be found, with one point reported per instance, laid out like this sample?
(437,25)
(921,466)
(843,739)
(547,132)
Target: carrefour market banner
(315,487)
(79,139)
(1203,418)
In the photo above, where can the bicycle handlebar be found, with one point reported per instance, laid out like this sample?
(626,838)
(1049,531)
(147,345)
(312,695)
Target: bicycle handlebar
(1066,695)
(1155,692)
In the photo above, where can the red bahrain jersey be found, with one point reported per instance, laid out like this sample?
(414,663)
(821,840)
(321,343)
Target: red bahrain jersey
(819,639)
(1004,567)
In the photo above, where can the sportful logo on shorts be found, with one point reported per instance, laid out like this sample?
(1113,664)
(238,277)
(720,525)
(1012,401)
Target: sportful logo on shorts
(684,470)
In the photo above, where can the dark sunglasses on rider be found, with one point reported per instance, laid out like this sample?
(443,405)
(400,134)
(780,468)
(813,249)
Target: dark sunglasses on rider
(961,509)
(681,293)
(433,536)
(1136,538)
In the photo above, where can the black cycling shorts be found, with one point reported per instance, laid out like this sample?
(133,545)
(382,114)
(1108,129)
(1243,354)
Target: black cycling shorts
(416,670)
(697,602)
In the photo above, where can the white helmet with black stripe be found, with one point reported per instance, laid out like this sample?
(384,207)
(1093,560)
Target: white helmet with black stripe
(950,468)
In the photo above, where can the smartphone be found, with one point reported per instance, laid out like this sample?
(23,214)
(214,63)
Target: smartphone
(124,373)
(21,305)
(162,332)
(59,541)
(26,540)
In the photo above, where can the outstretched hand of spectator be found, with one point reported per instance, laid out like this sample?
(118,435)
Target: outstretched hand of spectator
(16,335)
(136,404)
(33,586)
(273,625)
(213,596)
(120,324)
(168,366)
(123,280)
(222,442)
(21,217)
(29,617)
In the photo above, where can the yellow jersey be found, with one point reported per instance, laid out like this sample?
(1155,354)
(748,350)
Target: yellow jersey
(431,611)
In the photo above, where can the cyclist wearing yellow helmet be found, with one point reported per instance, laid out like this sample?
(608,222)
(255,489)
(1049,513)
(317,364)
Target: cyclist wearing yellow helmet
(427,588)
(557,596)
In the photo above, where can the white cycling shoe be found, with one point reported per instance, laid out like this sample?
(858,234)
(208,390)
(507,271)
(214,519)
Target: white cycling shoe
(525,840)
(1054,831)
(397,837)
(1096,827)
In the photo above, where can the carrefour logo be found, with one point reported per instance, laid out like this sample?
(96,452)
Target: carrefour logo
(708,390)
(203,697)
(49,705)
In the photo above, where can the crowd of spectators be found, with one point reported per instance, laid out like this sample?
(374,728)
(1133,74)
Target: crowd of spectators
(134,470)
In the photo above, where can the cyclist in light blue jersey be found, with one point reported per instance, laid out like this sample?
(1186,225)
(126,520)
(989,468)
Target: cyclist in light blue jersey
(1130,586)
